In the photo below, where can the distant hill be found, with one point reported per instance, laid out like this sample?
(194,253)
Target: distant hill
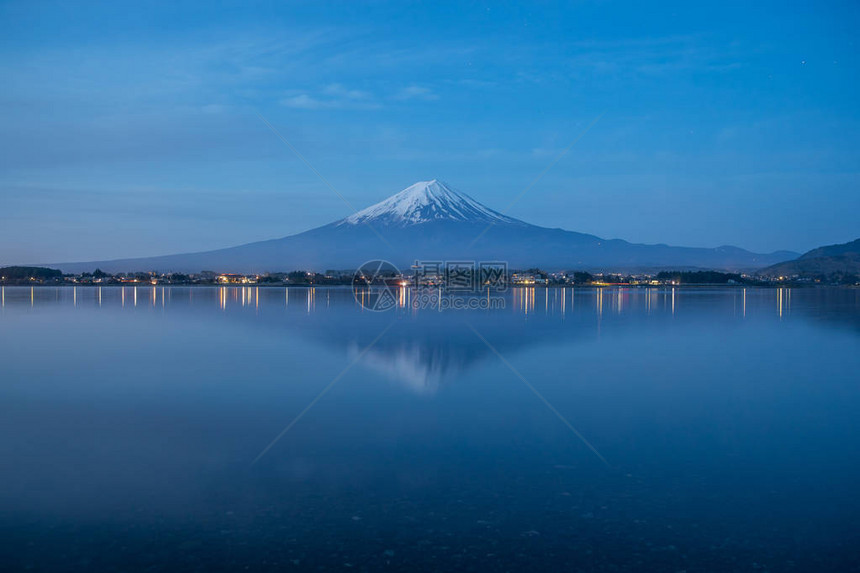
(829,262)
(851,248)
(430,221)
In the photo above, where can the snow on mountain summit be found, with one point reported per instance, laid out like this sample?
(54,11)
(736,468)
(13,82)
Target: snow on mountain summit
(427,201)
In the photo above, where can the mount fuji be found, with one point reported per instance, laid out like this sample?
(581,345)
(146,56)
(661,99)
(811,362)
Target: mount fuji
(430,221)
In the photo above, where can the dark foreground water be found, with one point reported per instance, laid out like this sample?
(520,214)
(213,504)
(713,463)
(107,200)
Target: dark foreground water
(723,431)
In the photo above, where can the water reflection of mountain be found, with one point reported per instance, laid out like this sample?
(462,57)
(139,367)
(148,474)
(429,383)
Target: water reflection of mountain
(427,348)
(417,364)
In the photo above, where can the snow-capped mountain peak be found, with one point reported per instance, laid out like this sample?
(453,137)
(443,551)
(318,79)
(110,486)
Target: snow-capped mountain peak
(427,201)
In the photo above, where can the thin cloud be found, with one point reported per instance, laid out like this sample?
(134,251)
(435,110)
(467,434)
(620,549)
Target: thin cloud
(304,101)
(416,93)
(332,96)
(341,92)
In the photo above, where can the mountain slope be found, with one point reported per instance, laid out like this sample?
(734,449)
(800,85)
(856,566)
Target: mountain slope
(849,248)
(842,259)
(431,221)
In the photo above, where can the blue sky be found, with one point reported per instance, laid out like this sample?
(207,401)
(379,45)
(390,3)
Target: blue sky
(129,131)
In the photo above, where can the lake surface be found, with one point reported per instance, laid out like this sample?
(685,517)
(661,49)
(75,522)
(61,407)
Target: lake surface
(577,429)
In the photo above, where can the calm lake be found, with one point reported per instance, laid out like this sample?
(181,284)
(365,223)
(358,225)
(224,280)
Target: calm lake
(581,429)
